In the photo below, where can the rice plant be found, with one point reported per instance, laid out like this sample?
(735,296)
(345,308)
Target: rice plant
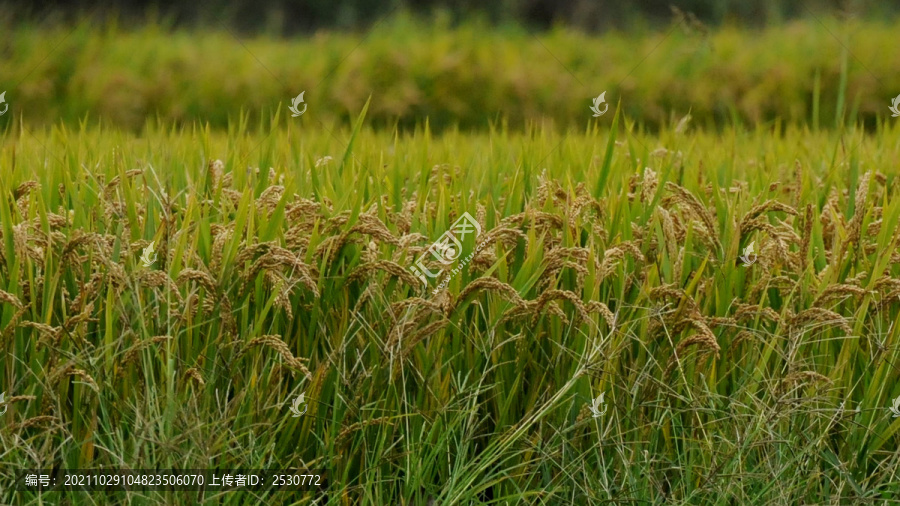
(166,297)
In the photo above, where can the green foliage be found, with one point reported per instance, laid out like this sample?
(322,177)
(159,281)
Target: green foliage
(724,383)
(467,76)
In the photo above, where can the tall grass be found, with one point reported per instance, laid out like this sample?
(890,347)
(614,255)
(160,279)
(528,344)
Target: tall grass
(466,76)
(612,268)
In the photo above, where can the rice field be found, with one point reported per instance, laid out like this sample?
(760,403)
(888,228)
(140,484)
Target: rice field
(826,72)
(676,315)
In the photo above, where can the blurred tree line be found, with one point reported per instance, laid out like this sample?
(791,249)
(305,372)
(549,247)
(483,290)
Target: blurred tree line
(293,16)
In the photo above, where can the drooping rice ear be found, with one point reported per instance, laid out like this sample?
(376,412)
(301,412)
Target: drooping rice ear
(274,342)
(854,227)
(682,196)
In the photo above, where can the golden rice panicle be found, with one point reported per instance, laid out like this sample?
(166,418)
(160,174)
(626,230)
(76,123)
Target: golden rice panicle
(229,324)
(47,333)
(407,213)
(8,298)
(234,197)
(483,259)
(283,296)
(365,296)
(681,195)
(194,374)
(583,204)
(551,308)
(371,225)
(599,307)
(888,287)
(132,353)
(215,170)
(819,315)
(275,260)
(802,377)
(157,279)
(776,252)
(798,183)
(34,422)
(745,312)
(612,256)
(838,291)
(854,228)
(70,370)
(20,398)
(632,187)
(406,247)
(22,242)
(248,253)
(401,306)
(400,328)
(269,198)
(490,284)
(649,185)
(558,259)
(830,218)
(481,215)
(550,295)
(423,334)
(767,206)
(221,234)
(520,311)
(344,435)
(13,322)
(739,338)
(370,252)
(532,309)
(274,342)
(302,210)
(543,189)
(25,188)
(87,378)
(806,237)
(703,338)
(546,222)
(504,235)
(202,278)
(671,238)
(330,246)
(364,272)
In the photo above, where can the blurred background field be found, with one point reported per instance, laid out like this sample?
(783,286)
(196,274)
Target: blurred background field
(819,71)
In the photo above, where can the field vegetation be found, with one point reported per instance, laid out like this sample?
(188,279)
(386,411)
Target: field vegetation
(467,76)
(613,267)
